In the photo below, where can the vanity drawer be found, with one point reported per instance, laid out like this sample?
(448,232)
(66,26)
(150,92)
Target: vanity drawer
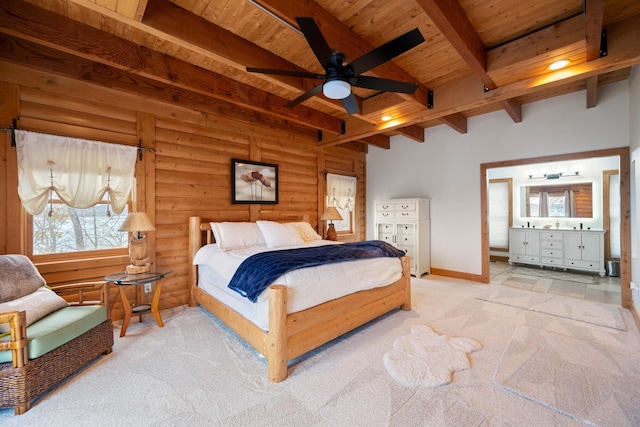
(553,253)
(551,244)
(551,235)
(524,258)
(552,261)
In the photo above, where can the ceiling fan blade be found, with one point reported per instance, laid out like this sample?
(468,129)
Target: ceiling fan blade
(308,94)
(386,52)
(383,85)
(316,40)
(350,104)
(303,74)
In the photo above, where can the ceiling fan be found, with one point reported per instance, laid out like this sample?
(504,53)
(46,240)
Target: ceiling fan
(340,76)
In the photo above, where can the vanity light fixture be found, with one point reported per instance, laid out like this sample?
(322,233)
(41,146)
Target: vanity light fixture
(558,64)
(554,175)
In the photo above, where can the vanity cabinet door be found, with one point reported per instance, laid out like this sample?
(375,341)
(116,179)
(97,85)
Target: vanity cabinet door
(590,247)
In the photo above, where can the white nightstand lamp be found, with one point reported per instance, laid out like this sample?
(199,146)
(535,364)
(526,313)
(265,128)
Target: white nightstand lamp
(329,215)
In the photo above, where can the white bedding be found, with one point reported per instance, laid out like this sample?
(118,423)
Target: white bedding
(306,287)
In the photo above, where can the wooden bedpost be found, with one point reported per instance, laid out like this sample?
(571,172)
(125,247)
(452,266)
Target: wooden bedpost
(277,335)
(195,242)
(406,268)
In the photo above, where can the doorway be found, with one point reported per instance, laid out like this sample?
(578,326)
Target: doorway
(624,229)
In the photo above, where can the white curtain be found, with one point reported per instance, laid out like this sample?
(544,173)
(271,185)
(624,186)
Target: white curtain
(543,206)
(341,191)
(79,171)
(569,204)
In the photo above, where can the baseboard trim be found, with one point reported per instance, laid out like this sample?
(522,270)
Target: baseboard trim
(634,312)
(457,274)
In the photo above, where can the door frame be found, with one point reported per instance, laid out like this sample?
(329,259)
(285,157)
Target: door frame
(625,208)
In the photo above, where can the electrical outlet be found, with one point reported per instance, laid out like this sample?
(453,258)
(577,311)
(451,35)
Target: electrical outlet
(147,288)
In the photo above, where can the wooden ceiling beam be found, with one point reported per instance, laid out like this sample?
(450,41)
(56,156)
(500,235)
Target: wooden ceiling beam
(453,23)
(456,121)
(31,23)
(379,140)
(350,43)
(56,63)
(414,132)
(594,10)
(513,109)
(465,94)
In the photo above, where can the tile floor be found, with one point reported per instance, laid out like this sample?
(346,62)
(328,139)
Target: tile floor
(574,284)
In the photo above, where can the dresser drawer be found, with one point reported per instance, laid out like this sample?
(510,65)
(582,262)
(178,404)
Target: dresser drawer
(384,207)
(385,214)
(406,215)
(404,240)
(403,207)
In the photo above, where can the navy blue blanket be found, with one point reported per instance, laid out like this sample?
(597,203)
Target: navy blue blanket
(259,271)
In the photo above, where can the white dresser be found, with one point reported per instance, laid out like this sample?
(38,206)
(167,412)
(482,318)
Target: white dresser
(404,223)
(566,249)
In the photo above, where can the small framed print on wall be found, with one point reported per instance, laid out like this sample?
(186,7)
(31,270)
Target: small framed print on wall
(254,182)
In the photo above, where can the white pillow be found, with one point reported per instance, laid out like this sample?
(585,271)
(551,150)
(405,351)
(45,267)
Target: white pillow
(278,235)
(37,304)
(305,230)
(237,235)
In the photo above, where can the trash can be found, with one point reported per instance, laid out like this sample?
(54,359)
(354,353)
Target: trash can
(613,268)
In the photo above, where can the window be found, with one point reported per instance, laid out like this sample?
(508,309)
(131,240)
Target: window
(341,194)
(63,229)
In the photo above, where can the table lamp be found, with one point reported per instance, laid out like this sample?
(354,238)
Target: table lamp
(135,223)
(329,215)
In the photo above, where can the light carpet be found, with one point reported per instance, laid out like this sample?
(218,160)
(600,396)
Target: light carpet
(589,382)
(194,372)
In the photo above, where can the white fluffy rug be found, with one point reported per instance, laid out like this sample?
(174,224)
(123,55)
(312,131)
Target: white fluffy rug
(426,358)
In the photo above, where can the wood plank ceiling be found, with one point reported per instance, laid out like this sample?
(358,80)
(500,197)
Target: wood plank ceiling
(478,56)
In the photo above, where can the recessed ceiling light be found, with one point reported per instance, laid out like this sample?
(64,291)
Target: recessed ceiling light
(559,64)
(385,118)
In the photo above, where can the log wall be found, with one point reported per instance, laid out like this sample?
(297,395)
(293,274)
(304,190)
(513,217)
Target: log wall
(187,174)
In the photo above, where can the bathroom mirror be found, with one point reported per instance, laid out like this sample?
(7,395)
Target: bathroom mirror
(571,200)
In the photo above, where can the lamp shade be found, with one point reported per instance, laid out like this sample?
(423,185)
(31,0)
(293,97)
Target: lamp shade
(137,221)
(336,89)
(331,214)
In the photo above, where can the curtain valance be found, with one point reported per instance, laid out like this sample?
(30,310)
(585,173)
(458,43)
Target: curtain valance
(79,171)
(341,191)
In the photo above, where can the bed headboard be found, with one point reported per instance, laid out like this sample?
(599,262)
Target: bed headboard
(200,234)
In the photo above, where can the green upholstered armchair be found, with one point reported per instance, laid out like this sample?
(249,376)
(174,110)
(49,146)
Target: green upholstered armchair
(44,338)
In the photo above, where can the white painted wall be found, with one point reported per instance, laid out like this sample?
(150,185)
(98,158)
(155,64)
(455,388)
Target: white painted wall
(634,143)
(446,168)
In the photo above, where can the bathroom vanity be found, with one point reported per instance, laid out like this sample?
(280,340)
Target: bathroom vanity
(562,248)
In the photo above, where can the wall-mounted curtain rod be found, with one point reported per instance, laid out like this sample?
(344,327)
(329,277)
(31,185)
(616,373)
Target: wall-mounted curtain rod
(14,127)
(325,172)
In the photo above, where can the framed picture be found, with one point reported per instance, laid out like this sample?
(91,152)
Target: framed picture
(254,182)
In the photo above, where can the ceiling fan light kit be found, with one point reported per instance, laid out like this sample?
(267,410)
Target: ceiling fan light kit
(336,89)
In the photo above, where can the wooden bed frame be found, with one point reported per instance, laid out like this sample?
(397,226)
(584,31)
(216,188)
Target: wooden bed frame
(291,335)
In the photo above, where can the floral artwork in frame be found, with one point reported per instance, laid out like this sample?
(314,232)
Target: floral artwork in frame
(254,182)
